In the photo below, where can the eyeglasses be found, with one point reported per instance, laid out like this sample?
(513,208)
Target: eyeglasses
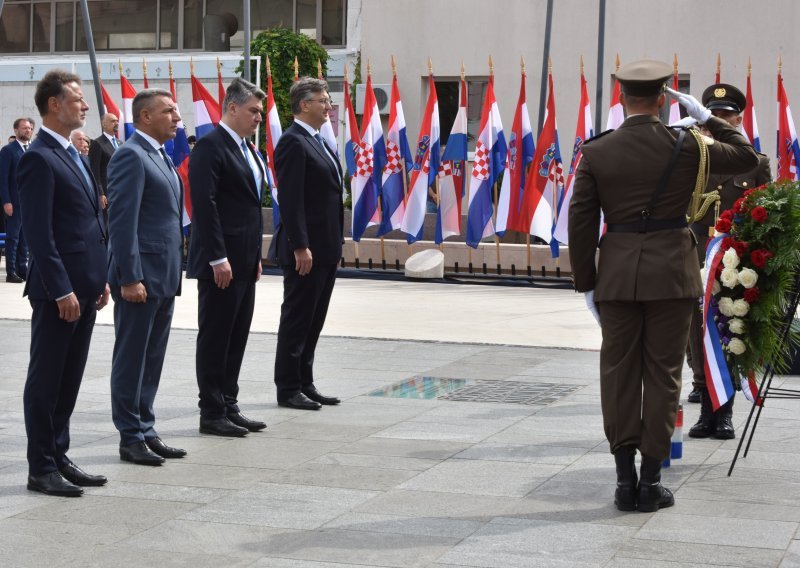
(324,102)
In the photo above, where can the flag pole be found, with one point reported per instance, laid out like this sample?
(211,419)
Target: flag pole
(87,33)
(494,189)
(380,209)
(144,73)
(601,42)
(718,76)
(466,196)
(548,27)
(555,185)
(246,23)
(527,166)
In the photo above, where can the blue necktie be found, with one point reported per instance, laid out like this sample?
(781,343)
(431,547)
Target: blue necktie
(73,153)
(249,159)
(115,143)
(322,143)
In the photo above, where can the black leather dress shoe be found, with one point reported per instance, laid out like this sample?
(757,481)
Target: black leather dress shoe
(312,393)
(244,422)
(300,402)
(53,484)
(139,454)
(221,427)
(14,278)
(77,476)
(157,446)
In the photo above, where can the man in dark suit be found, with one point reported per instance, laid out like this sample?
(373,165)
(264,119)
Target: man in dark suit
(66,285)
(145,198)
(227,177)
(307,242)
(647,281)
(16,248)
(101,150)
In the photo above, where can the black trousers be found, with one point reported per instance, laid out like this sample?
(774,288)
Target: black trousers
(58,358)
(224,318)
(305,305)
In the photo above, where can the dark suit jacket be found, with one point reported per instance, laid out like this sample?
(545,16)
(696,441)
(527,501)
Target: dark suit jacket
(144,220)
(100,153)
(226,207)
(63,224)
(619,172)
(9,158)
(310,199)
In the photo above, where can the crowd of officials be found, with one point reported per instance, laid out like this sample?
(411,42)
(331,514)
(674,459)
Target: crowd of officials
(95,220)
(109,225)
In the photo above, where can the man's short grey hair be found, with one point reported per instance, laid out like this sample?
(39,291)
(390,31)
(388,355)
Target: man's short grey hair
(304,89)
(144,99)
(241,91)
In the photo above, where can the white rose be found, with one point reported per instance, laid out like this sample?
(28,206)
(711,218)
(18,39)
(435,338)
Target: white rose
(737,346)
(740,308)
(715,288)
(736,326)
(729,277)
(726,306)
(747,277)
(730,259)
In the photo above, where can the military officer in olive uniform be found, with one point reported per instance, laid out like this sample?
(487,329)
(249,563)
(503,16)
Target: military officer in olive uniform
(728,103)
(646,284)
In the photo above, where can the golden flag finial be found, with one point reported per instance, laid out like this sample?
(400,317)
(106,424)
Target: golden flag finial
(748,66)
(144,66)
(581,64)
(780,64)
(296,68)
(549,65)
(319,69)
(191,66)
(617,67)
(170,69)
(369,68)
(345,71)
(463,75)
(522,64)
(269,68)
(394,67)
(219,66)
(719,63)
(675,63)
(491,67)
(430,66)
(119,62)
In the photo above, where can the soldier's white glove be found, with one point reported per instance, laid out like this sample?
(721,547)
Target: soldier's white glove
(589,297)
(684,122)
(695,109)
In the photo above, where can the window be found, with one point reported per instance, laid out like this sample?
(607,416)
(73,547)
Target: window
(168,25)
(65,19)
(447,91)
(15,28)
(263,15)
(41,27)
(120,25)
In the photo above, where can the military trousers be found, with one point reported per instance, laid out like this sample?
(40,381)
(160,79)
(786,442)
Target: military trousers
(695,356)
(641,359)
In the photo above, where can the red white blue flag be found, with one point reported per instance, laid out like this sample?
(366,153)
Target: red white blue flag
(178,150)
(109,104)
(488,163)
(206,109)
(128,93)
(788,148)
(452,180)
(718,377)
(426,166)
(273,133)
(398,162)
(520,154)
(545,183)
(674,106)
(749,123)
(583,131)
(370,159)
(616,114)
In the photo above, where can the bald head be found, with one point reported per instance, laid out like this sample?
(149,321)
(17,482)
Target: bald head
(110,124)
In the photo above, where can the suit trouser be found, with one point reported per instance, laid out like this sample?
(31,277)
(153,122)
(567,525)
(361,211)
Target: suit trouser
(141,335)
(16,247)
(224,317)
(641,360)
(58,358)
(305,305)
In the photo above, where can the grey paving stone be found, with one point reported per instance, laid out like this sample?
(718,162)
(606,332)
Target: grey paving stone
(103,557)
(719,531)
(269,453)
(792,558)
(335,475)
(528,453)
(432,504)
(646,551)
(160,492)
(422,526)
(420,449)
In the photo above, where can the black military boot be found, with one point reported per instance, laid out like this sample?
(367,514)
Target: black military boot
(625,495)
(707,423)
(652,496)
(695,395)
(724,418)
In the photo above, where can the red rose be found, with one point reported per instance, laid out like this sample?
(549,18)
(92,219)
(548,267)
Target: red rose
(740,247)
(747,192)
(727,214)
(723,225)
(726,243)
(751,295)
(738,205)
(718,273)
(759,214)
(759,257)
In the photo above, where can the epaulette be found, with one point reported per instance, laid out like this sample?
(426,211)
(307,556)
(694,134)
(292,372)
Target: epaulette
(596,136)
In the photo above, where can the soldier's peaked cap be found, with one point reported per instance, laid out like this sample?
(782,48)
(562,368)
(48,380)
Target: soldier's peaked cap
(724,97)
(644,78)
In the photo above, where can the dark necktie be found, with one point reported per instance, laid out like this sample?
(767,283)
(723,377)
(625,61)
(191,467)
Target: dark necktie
(170,167)
(73,153)
(25,147)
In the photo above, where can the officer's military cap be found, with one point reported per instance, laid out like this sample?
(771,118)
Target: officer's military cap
(644,78)
(724,97)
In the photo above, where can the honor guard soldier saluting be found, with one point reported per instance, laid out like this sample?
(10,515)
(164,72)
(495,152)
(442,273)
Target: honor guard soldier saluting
(643,176)
(728,103)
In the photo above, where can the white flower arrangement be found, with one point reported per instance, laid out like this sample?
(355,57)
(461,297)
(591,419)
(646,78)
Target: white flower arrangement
(737,346)
(740,308)
(726,306)
(729,277)
(737,326)
(715,287)
(747,277)
(730,259)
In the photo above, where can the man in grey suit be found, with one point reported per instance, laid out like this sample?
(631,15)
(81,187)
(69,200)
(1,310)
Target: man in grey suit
(145,253)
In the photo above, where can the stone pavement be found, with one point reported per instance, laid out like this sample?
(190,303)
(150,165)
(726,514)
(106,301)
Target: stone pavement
(390,481)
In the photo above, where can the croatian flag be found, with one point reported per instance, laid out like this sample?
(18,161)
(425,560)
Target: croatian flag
(273,134)
(370,160)
(109,104)
(488,163)
(426,166)
(398,163)
(351,129)
(718,378)
(749,123)
(206,109)
(545,182)
(583,132)
(674,106)
(788,148)
(178,150)
(452,180)
(616,114)
(520,154)
(128,93)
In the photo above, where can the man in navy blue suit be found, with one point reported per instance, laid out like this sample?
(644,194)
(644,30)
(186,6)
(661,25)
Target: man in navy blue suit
(16,249)
(61,217)
(145,206)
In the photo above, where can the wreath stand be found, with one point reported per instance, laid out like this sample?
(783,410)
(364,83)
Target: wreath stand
(766,390)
